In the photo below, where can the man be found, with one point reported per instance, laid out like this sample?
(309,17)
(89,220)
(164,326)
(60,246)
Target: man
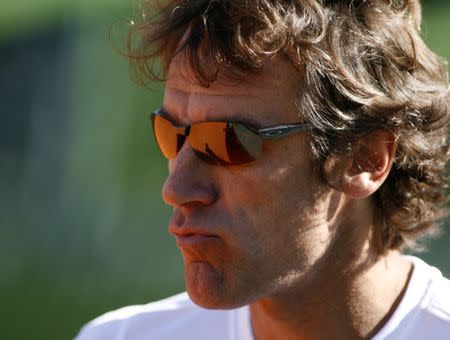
(307,146)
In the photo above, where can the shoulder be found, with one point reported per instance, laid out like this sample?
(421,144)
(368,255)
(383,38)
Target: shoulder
(424,309)
(436,287)
(164,319)
(438,304)
(432,314)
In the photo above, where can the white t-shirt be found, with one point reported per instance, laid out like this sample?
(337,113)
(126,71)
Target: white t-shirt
(423,313)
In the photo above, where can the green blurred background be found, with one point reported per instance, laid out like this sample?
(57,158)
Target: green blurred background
(82,224)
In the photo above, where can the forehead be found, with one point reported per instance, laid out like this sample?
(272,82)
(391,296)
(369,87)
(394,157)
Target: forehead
(267,97)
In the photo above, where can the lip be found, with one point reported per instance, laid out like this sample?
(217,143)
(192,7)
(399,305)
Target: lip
(194,240)
(192,236)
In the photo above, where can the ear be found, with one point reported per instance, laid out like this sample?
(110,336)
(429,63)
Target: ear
(361,171)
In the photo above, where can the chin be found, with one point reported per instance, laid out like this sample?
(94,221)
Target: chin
(208,288)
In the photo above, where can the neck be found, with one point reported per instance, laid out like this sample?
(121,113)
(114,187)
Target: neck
(335,309)
(351,296)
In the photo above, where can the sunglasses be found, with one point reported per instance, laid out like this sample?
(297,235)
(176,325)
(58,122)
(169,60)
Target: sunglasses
(217,142)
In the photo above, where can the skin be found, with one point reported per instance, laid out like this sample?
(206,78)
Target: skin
(297,250)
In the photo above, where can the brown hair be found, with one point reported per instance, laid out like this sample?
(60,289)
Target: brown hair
(366,68)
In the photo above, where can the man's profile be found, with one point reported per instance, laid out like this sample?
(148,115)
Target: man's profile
(307,150)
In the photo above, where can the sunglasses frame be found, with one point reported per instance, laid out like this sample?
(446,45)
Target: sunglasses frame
(270,132)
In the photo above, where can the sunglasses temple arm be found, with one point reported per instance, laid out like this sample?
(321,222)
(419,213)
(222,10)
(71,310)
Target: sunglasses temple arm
(282,130)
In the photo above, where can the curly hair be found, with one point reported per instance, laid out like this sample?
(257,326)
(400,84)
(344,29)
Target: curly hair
(365,68)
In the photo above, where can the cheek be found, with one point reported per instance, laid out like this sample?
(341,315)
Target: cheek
(266,208)
(274,193)
(275,210)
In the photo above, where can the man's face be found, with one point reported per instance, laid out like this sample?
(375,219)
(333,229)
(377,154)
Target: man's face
(247,231)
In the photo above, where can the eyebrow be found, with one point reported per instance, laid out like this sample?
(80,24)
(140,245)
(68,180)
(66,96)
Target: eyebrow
(249,122)
(213,94)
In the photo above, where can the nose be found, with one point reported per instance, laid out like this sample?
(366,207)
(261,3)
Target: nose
(189,181)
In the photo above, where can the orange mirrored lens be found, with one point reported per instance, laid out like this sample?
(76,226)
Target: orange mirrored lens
(215,142)
(169,138)
(208,139)
(218,143)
